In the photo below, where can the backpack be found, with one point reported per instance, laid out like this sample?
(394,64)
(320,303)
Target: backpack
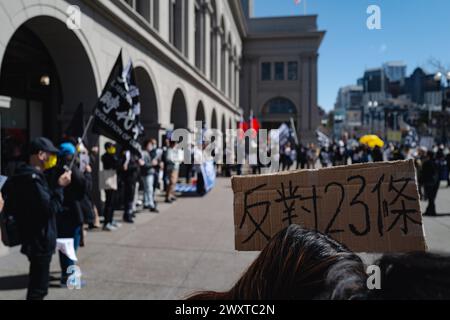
(9,224)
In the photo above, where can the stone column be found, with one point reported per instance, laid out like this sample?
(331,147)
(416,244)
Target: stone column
(313,87)
(231,78)
(164,16)
(303,116)
(226,63)
(219,47)
(188,30)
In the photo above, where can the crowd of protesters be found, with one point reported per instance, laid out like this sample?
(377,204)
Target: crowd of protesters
(433,165)
(58,185)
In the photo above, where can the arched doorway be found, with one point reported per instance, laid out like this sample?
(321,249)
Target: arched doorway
(200,114)
(277,111)
(178,113)
(149,103)
(214,120)
(47,74)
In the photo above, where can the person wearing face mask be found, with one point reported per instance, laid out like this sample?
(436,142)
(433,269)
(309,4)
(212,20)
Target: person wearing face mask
(70,221)
(111,163)
(148,170)
(37,218)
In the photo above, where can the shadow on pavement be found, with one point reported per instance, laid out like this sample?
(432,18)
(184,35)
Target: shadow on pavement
(14,282)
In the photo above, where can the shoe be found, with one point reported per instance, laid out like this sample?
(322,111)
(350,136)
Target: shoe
(109,227)
(154,210)
(426,214)
(116,225)
(128,220)
(173,199)
(168,201)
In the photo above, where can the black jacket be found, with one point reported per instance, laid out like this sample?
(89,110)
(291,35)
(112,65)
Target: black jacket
(429,176)
(37,218)
(111,162)
(72,215)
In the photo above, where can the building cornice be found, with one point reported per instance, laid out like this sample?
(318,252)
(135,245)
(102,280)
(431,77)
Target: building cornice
(239,17)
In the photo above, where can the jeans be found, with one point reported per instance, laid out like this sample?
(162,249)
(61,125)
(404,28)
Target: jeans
(39,277)
(129,193)
(149,193)
(64,261)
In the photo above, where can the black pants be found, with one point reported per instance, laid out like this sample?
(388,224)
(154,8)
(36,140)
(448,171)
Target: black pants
(431,193)
(39,277)
(108,211)
(129,193)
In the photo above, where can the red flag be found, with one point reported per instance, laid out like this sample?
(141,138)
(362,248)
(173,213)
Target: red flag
(243,127)
(254,124)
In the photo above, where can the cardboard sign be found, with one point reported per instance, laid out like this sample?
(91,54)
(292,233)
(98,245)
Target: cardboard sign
(371,208)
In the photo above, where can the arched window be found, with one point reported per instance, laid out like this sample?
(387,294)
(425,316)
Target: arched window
(279,105)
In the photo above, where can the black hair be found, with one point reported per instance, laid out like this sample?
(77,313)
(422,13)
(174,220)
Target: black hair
(413,276)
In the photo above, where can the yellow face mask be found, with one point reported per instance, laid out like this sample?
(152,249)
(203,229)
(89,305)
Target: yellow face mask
(51,162)
(111,150)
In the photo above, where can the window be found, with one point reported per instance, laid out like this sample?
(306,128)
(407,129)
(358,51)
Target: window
(279,71)
(279,106)
(143,8)
(293,71)
(266,71)
(176,23)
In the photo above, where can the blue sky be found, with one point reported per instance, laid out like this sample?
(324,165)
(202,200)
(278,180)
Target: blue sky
(413,31)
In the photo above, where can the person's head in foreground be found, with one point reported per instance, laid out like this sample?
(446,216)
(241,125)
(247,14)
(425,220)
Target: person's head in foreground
(298,264)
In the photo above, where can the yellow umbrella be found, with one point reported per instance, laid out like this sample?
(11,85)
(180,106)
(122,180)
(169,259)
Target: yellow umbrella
(372,141)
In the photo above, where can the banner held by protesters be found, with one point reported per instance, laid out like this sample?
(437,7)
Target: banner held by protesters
(118,110)
(370,208)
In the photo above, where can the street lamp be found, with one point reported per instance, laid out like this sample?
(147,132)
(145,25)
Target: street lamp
(373,105)
(445,86)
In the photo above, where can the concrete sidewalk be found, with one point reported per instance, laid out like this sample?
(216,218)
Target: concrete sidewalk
(188,247)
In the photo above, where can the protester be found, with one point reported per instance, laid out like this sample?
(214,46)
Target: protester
(70,220)
(171,166)
(148,172)
(377,154)
(129,172)
(111,163)
(312,156)
(430,180)
(324,157)
(302,156)
(37,217)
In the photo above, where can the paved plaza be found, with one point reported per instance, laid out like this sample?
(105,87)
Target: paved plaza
(188,246)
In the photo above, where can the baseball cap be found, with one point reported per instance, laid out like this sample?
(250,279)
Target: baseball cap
(67,149)
(42,144)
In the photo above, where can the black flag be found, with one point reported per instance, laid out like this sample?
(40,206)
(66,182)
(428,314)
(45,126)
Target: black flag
(117,112)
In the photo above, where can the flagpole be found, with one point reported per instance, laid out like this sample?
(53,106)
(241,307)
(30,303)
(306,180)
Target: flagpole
(86,130)
(295,131)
